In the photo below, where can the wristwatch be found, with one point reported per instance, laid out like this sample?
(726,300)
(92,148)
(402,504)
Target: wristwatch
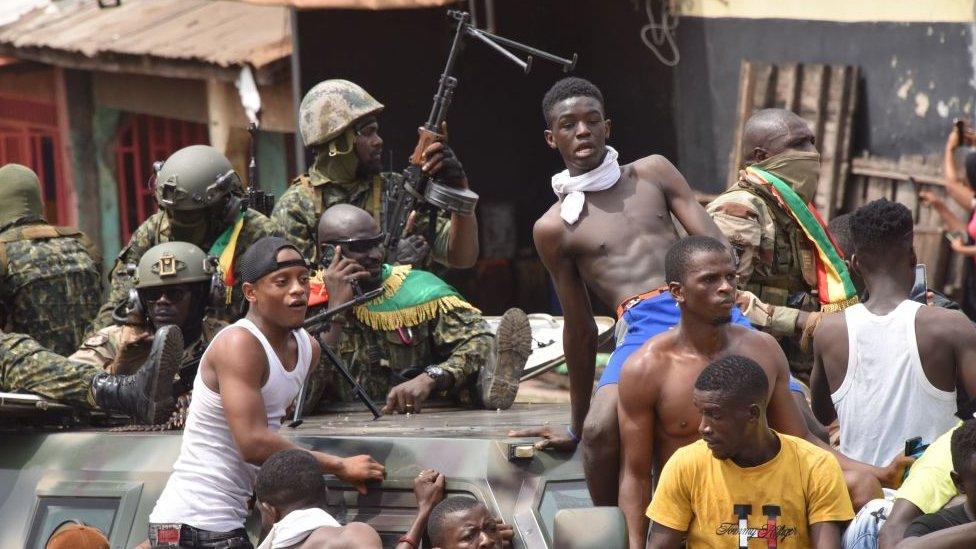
(442,377)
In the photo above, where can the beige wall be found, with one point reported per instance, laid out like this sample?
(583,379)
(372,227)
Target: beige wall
(950,11)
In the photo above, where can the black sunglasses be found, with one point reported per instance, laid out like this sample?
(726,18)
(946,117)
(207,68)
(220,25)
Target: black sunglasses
(173,294)
(359,245)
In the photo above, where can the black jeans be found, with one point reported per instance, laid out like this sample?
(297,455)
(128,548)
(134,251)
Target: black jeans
(183,536)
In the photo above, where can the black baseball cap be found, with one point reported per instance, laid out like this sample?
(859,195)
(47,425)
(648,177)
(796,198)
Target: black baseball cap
(261,259)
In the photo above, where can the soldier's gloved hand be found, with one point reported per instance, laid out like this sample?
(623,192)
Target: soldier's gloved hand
(412,250)
(408,396)
(338,278)
(441,163)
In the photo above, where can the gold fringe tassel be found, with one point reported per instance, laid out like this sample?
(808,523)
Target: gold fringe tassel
(840,305)
(411,316)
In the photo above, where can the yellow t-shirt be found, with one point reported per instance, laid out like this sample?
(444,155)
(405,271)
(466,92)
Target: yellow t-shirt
(702,495)
(929,486)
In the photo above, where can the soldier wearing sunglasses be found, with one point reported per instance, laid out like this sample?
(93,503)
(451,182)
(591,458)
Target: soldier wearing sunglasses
(420,339)
(141,367)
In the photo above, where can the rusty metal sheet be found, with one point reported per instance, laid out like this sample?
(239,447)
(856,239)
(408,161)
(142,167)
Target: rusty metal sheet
(217,32)
(824,95)
(355,4)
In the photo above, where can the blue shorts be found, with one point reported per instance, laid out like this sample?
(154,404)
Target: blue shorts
(644,321)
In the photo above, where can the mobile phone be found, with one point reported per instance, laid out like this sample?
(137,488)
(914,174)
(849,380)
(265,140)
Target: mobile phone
(919,288)
(912,444)
(328,254)
(952,235)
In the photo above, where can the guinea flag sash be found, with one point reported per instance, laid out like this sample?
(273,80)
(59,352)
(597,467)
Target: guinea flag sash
(224,248)
(834,286)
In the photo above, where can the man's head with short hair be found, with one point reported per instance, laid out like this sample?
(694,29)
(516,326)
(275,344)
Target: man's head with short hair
(576,123)
(962,447)
(702,278)
(275,282)
(883,232)
(770,132)
(287,481)
(567,88)
(462,523)
(731,395)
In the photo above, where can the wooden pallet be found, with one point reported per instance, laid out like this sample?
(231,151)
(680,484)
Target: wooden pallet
(824,95)
(900,180)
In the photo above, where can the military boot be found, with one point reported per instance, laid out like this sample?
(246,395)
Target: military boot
(146,395)
(498,380)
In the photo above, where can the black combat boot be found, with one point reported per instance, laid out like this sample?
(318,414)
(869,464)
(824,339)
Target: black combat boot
(498,379)
(146,395)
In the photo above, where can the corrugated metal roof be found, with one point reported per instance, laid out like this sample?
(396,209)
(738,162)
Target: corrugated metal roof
(220,33)
(355,4)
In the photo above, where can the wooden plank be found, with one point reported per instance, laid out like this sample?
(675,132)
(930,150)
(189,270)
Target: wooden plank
(824,95)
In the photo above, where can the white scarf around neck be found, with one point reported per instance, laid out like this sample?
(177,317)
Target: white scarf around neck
(600,178)
(296,526)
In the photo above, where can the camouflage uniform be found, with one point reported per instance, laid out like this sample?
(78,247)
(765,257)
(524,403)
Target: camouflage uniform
(459,341)
(777,269)
(299,209)
(25,365)
(156,230)
(50,280)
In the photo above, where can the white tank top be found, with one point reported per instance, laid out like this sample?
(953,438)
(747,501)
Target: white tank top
(211,482)
(886,398)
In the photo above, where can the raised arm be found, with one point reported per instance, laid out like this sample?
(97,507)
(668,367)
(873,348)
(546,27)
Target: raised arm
(635,411)
(681,199)
(236,366)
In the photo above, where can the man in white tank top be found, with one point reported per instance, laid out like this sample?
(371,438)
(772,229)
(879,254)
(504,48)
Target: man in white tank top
(249,375)
(888,369)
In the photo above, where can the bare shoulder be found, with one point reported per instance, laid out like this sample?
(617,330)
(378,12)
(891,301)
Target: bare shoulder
(653,166)
(235,348)
(941,324)
(830,325)
(548,230)
(651,360)
(355,535)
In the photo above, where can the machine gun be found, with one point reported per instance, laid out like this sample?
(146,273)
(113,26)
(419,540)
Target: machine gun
(257,199)
(319,323)
(418,192)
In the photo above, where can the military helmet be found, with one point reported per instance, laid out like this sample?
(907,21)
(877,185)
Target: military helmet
(330,107)
(173,263)
(195,178)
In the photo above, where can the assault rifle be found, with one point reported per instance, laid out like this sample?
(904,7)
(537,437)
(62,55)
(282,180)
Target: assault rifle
(257,199)
(320,323)
(418,192)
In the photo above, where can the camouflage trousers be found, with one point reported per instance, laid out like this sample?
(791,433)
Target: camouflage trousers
(26,366)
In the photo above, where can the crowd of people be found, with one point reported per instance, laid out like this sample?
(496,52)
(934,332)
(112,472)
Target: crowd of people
(776,381)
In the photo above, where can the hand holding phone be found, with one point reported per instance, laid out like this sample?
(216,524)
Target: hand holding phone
(919,287)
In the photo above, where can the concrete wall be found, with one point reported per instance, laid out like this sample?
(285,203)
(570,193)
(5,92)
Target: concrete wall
(915,58)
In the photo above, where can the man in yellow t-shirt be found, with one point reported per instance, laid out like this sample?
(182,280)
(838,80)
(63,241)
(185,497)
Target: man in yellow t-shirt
(743,484)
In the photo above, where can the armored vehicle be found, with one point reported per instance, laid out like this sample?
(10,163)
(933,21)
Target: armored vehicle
(52,469)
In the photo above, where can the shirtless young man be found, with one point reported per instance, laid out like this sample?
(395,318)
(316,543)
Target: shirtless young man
(656,412)
(608,232)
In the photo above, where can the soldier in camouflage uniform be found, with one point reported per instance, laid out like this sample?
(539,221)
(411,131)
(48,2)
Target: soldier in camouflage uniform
(338,122)
(50,277)
(777,268)
(173,288)
(420,339)
(201,202)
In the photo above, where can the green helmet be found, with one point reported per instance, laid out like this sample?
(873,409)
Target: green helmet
(173,263)
(330,107)
(195,178)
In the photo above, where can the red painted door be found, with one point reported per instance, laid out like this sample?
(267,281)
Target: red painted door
(29,136)
(142,140)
